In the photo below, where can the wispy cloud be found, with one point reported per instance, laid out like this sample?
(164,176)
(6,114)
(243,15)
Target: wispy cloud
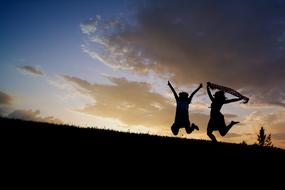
(33,116)
(31,70)
(90,25)
(5,99)
(237,44)
(111,52)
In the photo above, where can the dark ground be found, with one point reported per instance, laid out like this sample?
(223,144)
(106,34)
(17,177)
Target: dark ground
(63,149)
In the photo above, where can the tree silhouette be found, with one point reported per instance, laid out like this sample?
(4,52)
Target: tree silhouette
(263,139)
(268,141)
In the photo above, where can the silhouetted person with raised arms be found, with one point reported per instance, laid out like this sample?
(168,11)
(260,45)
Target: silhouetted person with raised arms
(217,120)
(182,115)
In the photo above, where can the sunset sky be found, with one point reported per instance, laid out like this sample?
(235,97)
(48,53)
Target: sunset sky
(106,63)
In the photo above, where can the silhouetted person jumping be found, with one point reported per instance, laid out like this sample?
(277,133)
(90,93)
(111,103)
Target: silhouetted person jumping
(182,115)
(217,120)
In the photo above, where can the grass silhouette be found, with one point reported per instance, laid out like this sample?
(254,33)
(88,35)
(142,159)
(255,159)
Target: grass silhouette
(20,139)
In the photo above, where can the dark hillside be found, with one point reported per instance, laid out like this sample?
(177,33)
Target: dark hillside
(61,143)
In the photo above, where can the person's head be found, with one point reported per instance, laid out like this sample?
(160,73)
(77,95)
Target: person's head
(183,95)
(220,95)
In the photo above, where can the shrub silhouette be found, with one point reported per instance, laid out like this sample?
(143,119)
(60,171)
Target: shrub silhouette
(263,139)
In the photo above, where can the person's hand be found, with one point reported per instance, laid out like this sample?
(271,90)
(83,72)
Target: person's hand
(245,100)
(201,85)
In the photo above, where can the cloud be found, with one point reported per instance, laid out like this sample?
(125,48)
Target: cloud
(30,70)
(2,112)
(230,116)
(132,103)
(5,99)
(240,44)
(233,135)
(199,106)
(90,25)
(279,136)
(31,115)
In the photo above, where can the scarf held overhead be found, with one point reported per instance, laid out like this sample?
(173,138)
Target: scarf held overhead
(229,90)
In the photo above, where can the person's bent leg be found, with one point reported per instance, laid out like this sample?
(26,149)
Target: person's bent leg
(188,128)
(224,130)
(210,134)
(194,127)
(174,129)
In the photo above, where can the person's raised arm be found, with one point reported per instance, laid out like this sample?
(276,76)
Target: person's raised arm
(195,91)
(209,91)
(232,100)
(172,89)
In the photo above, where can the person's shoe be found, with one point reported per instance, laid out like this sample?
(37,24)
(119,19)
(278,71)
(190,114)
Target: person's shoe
(234,122)
(195,127)
(174,130)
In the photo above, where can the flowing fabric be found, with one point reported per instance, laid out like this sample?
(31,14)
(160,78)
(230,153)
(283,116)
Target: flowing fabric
(229,90)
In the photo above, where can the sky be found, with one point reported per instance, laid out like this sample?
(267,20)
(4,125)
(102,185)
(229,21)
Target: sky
(106,64)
